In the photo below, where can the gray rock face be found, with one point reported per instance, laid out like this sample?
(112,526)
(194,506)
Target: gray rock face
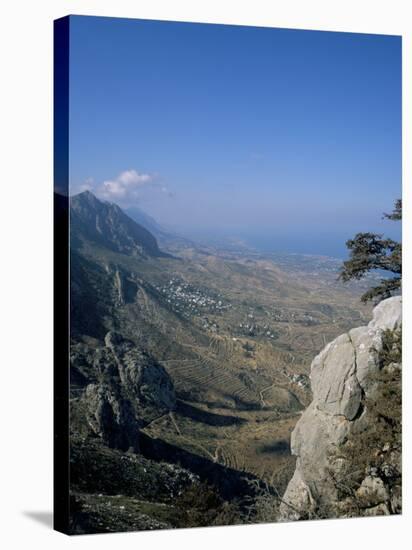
(132,390)
(111,416)
(340,379)
(142,378)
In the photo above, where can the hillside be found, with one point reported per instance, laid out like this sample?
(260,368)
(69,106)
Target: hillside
(230,334)
(105,224)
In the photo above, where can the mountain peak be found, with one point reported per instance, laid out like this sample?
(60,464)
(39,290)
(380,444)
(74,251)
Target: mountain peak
(106,224)
(85,196)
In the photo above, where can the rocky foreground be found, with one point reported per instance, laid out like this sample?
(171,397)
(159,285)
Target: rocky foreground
(348,441)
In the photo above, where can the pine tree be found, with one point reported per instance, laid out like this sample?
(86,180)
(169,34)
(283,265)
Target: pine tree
(370,251)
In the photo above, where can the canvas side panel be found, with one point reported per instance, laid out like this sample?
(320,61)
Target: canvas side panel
(61,275)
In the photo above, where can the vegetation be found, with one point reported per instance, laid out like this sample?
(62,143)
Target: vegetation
(264,505)
(112,491)
(370,251)
(203,506)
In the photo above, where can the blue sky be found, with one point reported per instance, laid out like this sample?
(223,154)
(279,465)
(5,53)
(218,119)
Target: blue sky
(271,135)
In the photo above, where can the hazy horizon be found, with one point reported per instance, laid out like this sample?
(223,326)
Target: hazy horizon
(267,135)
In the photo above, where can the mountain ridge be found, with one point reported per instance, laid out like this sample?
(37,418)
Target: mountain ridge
(106,224)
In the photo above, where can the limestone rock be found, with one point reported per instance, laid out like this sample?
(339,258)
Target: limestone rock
(132,389)
(112,417)
(340,379)
(142,378)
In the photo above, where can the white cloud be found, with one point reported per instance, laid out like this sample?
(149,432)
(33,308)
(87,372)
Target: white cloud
(132,177)
(127,188)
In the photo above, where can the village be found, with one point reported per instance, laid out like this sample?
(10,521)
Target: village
(288,316)
(189,300)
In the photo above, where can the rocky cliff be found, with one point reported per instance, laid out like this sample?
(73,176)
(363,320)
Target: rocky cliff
(129,389)
(347,442)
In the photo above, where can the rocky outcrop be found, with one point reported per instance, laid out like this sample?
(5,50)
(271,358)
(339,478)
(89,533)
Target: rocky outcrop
(343,382)
(131,390)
